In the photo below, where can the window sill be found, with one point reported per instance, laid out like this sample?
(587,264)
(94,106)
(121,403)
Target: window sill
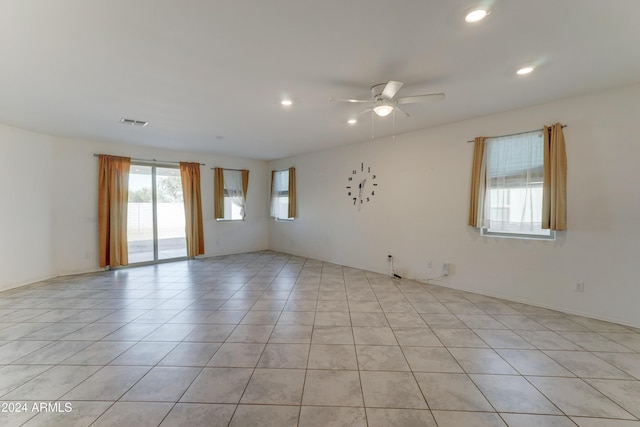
(229,220)
(522,236)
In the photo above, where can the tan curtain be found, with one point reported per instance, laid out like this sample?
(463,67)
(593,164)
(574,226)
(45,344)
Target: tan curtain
(113,200)
(190,174)
(477,181)
(273,176)
(218,193)
(272,205)
(292,193)
(245,183)
(554,186)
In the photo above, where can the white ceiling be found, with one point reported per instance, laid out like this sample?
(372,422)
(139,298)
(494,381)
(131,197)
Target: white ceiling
(198,70)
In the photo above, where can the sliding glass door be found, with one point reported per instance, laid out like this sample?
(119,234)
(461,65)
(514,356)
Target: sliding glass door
(140,229)
(155,224)
(172,241)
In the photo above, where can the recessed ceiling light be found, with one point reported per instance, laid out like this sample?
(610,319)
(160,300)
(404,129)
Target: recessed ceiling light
(286,102)
(476,15)
(352,121)
(524,70)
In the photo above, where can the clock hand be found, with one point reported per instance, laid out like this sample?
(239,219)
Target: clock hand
(362,187)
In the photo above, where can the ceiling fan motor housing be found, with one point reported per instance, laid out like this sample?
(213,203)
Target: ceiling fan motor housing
(376,91)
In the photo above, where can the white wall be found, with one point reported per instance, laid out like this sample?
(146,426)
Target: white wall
(76,200)
(26,212)
(420,211)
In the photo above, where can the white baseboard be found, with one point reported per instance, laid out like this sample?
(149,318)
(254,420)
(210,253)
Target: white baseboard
(536,304)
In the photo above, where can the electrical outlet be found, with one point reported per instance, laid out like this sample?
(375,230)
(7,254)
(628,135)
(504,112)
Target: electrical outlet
(445,269)
(579,286)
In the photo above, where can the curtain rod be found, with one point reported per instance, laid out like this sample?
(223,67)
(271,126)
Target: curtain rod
(518,133)
(149,160)
(229,169)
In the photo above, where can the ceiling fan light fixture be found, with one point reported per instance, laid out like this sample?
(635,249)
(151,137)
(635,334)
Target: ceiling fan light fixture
(476,15)
(525,70)
(383,110)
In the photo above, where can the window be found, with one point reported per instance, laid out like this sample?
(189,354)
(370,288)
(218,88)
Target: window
(280,197)
(233,183)
(513,186)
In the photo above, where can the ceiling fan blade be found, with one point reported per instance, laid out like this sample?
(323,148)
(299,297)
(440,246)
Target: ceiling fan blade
(391,89)
(350,100)
(368,110)
(421,98)
(401,109)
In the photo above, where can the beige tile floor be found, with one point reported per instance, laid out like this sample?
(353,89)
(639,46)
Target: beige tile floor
(268,339)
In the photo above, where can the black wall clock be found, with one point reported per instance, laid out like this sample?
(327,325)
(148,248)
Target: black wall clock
(361,185)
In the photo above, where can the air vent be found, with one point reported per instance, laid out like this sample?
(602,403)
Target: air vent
(131,122)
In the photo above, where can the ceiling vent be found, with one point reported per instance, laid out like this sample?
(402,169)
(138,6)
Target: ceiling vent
(131,122)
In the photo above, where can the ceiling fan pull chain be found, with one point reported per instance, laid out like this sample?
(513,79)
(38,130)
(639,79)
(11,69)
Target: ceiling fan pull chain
(394,123)
(372,124)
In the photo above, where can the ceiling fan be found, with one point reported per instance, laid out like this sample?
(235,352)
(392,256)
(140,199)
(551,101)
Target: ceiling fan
(383,100)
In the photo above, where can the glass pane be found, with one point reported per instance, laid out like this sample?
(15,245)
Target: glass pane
(516,210)
(171,234)
(234,195)
(282,207)
(140,215)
